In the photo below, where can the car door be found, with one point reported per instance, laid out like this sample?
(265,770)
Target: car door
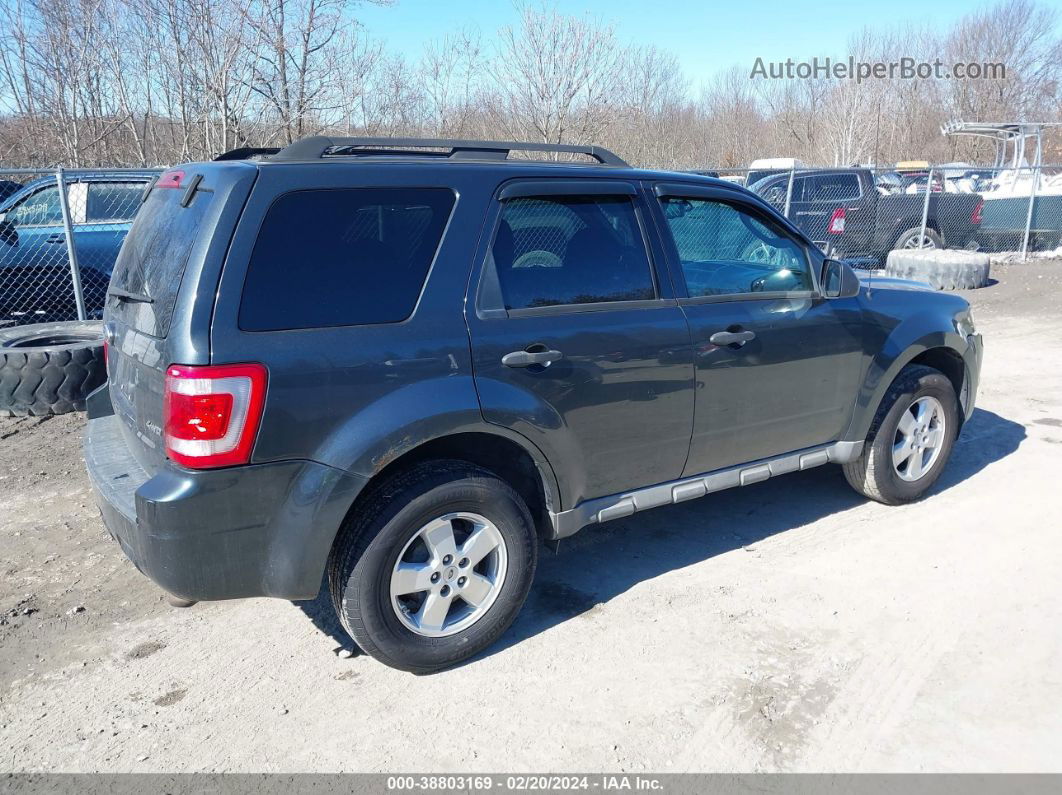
(38,220)
(578,343)
(777,364)
(34,272)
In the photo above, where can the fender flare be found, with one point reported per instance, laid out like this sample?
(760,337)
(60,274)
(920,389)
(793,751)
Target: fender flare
(913,337)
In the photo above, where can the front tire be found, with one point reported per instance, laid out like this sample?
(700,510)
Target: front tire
(910,440)
(434,567)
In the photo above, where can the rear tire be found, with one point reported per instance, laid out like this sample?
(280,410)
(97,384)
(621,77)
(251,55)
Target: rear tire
(382,533)
(50,368)
(876,473)
(909,239)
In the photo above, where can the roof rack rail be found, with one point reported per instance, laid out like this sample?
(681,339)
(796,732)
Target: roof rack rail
(248,153)
(320,146)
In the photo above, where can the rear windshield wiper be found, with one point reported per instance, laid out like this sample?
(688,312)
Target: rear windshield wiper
(125,295)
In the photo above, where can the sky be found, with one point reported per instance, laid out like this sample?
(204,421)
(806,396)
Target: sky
(707,37)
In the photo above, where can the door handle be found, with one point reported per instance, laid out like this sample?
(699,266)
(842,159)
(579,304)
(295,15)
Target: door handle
(528,358)
(55,239)
(738,338)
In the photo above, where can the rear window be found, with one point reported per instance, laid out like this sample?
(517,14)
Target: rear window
(152,260)
(831,187)
(343,257)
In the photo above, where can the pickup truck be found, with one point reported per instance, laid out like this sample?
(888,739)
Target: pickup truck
(848,215)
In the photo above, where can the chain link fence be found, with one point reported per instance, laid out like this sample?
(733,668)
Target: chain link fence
(60,233)
(61,230)
(860,214)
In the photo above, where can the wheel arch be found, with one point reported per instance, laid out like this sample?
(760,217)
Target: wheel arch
(941,350)
(516,461)
(949,362)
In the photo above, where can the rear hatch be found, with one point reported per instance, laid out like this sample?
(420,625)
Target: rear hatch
(169,262)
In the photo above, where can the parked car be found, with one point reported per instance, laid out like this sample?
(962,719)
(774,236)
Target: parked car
(843,211)
(7,187)
(324,361)
(35,280)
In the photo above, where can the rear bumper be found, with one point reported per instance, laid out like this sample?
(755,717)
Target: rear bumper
(258,530)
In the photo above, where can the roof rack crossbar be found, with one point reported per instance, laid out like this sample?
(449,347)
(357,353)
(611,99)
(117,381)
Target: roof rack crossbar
(319,146)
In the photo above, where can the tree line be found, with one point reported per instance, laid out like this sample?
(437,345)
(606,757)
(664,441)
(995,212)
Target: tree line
(152,82)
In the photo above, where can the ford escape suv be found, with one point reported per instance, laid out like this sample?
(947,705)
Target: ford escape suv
(401,364)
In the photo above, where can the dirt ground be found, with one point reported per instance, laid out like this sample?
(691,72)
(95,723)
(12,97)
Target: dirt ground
(789,625)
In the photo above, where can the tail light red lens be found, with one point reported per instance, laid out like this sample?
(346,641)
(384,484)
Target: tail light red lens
(211,414)
(836,225)
(975,218)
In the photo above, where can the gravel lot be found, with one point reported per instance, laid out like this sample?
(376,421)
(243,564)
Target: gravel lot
(789,625)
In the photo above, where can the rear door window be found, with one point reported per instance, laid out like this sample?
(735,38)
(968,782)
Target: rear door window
(343,257)
(113,202)
(152,261)
(559,250)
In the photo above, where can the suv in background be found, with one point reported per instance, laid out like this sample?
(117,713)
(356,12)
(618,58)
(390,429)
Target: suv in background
(846,214)
(404,363)
(35,281)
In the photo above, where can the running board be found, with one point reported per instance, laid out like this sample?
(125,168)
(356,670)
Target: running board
(617,506)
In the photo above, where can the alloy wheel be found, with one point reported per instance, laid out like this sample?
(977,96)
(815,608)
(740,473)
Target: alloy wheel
(449,574)
(919,438)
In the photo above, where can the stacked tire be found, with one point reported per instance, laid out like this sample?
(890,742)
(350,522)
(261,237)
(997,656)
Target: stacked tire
(50,368)
(940,268)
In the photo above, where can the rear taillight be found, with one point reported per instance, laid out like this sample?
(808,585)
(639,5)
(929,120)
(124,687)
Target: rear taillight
(836,225)
(211,414)
(975,216)
(170,179)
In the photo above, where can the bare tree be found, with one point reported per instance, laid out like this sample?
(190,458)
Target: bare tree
(449,73)
(555,77)
(86,82)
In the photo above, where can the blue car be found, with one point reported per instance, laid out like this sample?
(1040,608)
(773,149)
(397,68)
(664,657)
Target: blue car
(8,187)
(35,279)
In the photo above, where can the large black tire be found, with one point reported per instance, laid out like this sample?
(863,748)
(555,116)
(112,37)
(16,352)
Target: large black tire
(940,269)
(873,473)
(373,539)
(50,368)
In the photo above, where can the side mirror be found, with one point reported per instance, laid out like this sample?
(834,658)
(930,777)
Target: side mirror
(8,233)
(839,280)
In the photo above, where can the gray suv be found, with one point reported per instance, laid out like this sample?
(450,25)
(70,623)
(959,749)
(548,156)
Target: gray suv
(402,364)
